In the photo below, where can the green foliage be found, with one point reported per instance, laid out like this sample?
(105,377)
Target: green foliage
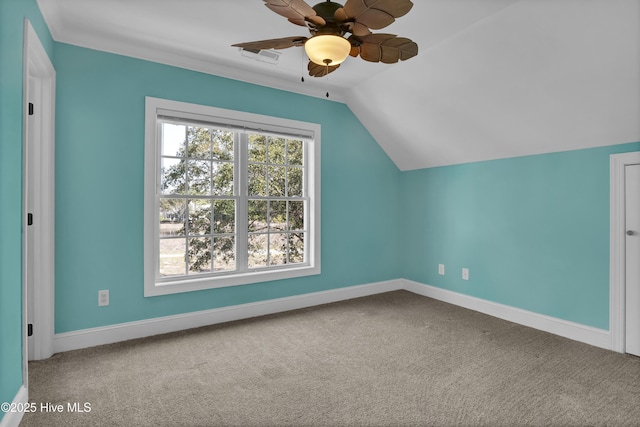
(202,167)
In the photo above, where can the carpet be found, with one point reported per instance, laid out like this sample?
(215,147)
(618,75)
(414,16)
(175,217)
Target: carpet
(393,359)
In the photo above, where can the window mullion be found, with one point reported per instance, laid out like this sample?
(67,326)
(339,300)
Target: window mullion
(241,170)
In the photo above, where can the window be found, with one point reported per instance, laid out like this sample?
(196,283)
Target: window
(230,198)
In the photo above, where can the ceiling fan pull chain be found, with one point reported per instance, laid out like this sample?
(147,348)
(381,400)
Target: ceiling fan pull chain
(327,76)
(302,62)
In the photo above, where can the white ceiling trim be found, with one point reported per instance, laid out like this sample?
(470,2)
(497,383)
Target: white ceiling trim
(96,39)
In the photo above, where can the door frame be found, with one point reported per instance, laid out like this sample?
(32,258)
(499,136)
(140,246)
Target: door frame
(38,148)
(617,263)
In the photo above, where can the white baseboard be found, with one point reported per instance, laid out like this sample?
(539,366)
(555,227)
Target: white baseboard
(575,331)
(12,419)
(125,331)
(161,325)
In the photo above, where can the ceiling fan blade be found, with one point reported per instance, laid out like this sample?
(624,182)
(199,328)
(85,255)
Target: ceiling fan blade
(316,70)
(355,28)
(386,48)
(316,20)
(282,43)
(355,50)
(374,14)
(296,11)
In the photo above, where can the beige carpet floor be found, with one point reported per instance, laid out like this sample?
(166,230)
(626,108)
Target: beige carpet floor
(394,359)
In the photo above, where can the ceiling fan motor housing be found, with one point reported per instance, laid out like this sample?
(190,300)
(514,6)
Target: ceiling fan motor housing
(327,10)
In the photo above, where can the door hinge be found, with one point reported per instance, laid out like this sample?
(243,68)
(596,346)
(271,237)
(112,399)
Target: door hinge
(31,109)
(30,329)
(29,218)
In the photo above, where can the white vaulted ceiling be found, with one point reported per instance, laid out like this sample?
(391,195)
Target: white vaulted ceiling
(493,78)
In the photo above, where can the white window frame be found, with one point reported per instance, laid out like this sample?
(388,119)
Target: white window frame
(155,107)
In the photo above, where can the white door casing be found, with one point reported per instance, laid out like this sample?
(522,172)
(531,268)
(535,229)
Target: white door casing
(622,287)
(38,198)
(632,259)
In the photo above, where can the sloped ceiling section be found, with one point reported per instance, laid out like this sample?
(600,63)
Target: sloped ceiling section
(535,77)
(493,79)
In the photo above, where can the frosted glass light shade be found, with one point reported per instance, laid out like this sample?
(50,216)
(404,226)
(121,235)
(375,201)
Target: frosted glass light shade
(323,48)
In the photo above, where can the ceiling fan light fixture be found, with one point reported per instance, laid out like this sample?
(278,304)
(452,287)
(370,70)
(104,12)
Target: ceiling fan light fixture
(327,49)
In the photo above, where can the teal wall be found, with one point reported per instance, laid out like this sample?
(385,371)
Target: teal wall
(99,188)
(533,231)
(12,15)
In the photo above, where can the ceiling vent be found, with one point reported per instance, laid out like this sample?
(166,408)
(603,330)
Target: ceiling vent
(269,56)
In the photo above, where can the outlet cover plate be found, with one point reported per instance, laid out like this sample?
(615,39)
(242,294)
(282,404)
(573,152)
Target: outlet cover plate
(103,298)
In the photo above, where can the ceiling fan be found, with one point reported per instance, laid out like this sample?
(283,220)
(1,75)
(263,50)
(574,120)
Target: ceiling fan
(329,21)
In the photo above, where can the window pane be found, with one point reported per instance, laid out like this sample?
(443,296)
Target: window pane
(257,250)
(296,247)
(277,249)
(277,181)
(225,253)
(224,216)
(257,180)
(172,216)
(222,178)
(172,257)
(296,215)
(222,144)
(199,217)
(199,175)
(257,148)
(276,151)
(294,179)
(277,215)
(172,176)
(199,254)
(199,142)
(257,220)
(173,139)
(294,152)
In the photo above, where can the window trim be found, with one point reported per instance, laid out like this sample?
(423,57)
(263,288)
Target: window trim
(155,107)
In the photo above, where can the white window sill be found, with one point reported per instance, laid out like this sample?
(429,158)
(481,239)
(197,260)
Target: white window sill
(209,282)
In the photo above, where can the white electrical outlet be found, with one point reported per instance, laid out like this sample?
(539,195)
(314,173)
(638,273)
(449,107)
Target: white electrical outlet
(465,274)
(441,269)
(103,298)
